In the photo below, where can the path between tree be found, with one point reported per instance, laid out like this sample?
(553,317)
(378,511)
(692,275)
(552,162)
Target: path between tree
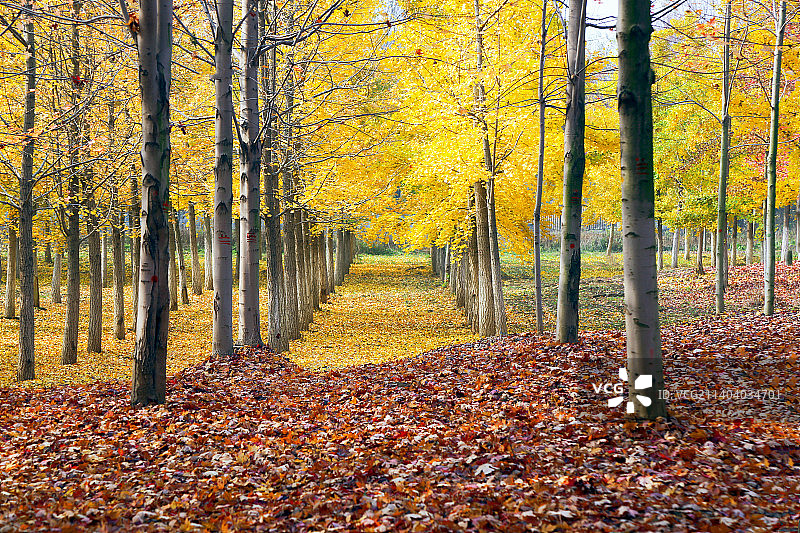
(390,307)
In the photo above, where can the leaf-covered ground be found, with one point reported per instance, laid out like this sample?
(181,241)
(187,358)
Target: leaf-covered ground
(387,309)
(506,435)
(390,307)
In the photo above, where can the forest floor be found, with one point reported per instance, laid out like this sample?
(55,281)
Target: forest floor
(389,308)
(510,434)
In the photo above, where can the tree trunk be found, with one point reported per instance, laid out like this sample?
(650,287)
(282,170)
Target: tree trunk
(303,290)
(574,163)
(748,257)
(486,318)
(197,280)
(472,286)
(687,245)
(785,230)
(340,257)
(69,348)
(713,249)
(642,329)
(660,241)
(537,211)
(323,267)
(290,266)
(154,42)
(181,259)
(701,240)
(119,277)
(330,262)
(722,195)
(235,230)
(222,343)
(500,318)
(55,286)
(610,239)
(676,244)
(36,295)
(735,239)
(10,309)
(136,243)
(250,182)
(48,252)
(769,229)
(94,333)
(104,277)
(434,261)
(208,254)
(28,288)
(173,266)
(797,228)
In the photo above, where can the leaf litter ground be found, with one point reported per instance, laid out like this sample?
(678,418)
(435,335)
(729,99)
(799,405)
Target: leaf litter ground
(495,435)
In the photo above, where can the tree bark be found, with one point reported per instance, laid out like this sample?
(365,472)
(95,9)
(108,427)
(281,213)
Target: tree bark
(500,318)
(785,230)
(55,286)
(222,343)
(331,263)
(290,266)
(136,244)
(104,277)
(701,240)
(574,163)
(181,259)
(119,276)
(486,318)
(340,257)
(250,182)
(36,295)
(748,257)
(660,241)
(10,308)
(69,348)
(722,211)
(735,238)
(48,252)
(676,244)
(154,42)
(197,280)
(472,286)
(537,212)
(713,249)
(687,244)
(208,254)
(303,292)
(323,267)
(94,332)
(769,229)
(643,332)
(173,266)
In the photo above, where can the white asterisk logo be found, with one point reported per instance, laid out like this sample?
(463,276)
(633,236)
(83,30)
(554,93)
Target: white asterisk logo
(645,381)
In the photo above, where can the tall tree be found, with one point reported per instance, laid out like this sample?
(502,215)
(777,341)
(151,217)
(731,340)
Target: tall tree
(634,103)
(772,156)
(222,343)
(197,279)
(277,339)
(574,163)
(153,33)
(250,183)
(26,369)
(724,164)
